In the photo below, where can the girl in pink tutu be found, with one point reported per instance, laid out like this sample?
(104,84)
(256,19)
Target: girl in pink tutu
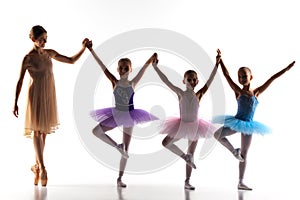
(243,120)
(123,114)
(188,125)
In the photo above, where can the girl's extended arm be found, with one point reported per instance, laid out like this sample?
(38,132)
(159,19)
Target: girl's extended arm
(202,91)
(19,85)
(263,87)
(138,77)
(107,73)
(66,59)
(164,78)
(232,84)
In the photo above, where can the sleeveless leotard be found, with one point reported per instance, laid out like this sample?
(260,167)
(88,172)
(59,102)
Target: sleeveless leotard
(188,125)
(124,113)
(243,120)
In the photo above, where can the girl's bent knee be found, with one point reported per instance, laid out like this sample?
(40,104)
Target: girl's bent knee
(97,130)
(165,143)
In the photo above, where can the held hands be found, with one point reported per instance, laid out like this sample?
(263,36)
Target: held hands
(89,44)
(155,60)
(151,59)
(218,57)
(84,42)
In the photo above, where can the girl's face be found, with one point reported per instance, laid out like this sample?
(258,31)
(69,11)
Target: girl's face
(191,80)
(41,41)
(244,76)
(124,68)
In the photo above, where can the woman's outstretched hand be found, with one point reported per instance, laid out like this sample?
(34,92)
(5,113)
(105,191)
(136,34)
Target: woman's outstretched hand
(84,42)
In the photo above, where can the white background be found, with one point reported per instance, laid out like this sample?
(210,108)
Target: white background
(263,35)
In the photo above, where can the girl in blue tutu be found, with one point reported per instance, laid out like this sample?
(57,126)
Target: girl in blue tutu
(243,120)
(187,125)
(123,114)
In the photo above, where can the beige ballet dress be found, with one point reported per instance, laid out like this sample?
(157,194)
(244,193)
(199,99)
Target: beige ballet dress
(41,112)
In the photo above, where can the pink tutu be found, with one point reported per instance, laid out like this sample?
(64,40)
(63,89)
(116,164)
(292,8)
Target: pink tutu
(175,128)
(112,117)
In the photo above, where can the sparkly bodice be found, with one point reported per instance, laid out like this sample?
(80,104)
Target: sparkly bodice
(124,97)
(246,107)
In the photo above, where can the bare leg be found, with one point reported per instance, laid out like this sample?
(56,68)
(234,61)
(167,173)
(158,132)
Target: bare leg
(99,132)
(168,142)
(191,150)
(39,145)
(245,145)
(127,133)
(221,134)
(39,148)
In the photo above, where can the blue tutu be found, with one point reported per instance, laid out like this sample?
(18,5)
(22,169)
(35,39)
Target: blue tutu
(243,120)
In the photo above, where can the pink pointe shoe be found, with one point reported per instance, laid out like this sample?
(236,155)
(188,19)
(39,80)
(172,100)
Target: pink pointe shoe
(189,160)
(35,169)
(188,186)
(242,186)
(120,184)
(43,177)
(237,154)
(121,149)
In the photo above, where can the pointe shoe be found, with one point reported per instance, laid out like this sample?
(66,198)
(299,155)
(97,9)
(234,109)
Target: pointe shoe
(189,160)
(121,149)
(237,154)
(43,177)
(35,169)
(188,186)
(121,184)
(242,186)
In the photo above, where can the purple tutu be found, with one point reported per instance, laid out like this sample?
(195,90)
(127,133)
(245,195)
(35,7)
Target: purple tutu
(112,117)
(175,128)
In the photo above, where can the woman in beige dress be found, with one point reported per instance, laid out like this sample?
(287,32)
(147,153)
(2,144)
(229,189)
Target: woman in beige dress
(41,113)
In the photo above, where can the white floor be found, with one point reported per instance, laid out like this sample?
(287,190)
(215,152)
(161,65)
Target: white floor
(134,192)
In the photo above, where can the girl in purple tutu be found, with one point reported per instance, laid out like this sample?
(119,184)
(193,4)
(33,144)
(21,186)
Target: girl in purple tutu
(188,125)
(123,114)
(243,120)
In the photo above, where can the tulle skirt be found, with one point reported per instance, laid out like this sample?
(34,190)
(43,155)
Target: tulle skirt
(245,127)
(112,117)
(175,128)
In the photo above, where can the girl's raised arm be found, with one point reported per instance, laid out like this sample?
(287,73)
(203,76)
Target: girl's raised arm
(107,73)
(202,91)
(232,84)
(138,77)
(263,87)
(164,78)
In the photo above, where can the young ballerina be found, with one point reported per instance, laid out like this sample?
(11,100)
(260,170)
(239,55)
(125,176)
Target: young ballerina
(123,114)
(188,125)
(243,120)
(41,114)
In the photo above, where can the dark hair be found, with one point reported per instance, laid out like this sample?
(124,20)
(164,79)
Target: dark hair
(36,32)
(189,72)
(246,68)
